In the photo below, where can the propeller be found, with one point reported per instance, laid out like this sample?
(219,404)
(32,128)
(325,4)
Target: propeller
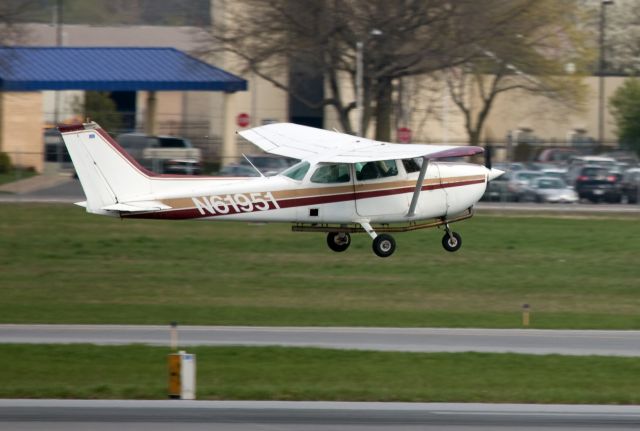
(493,173)
(487,156)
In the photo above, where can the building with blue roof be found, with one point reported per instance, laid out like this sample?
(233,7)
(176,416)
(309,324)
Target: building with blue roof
(27,71)
(110,69)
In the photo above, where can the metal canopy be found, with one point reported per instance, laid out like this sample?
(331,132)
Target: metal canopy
(110,69)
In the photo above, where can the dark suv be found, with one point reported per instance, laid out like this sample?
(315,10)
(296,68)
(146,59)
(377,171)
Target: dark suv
(597,184)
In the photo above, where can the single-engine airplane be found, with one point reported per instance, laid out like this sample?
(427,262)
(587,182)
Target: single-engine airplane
(343,184)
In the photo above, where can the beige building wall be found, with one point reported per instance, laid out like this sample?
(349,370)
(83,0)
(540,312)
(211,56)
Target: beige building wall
(552,121)
(21,128)
(427,109)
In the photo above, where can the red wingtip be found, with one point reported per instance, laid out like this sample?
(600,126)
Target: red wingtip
(70,127)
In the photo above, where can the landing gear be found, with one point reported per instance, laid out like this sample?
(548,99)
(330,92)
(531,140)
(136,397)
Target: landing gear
(338,241)
(451,241)
(384,245)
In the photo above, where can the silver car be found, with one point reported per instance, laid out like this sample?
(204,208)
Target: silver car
(519,183)
(549,190)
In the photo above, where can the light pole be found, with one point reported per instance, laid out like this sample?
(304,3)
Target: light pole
(359,85)
(601,68)
(360,80)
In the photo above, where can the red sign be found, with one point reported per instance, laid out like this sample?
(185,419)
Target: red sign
(242,119)
(404,135)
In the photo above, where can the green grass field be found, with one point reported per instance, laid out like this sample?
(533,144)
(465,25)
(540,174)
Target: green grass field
(261,373)
(61,265)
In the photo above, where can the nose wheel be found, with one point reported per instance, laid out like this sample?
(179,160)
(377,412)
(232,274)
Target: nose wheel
(451,241)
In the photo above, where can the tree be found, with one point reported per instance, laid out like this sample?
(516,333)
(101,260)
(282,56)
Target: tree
(536,44)
(99,107)
(622,49)
(399,38)
(11,14)
(625,106)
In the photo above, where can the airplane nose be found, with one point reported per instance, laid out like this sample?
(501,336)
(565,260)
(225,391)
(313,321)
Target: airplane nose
(494,173)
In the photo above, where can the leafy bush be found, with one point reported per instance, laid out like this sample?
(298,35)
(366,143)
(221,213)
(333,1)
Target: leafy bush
(5,163)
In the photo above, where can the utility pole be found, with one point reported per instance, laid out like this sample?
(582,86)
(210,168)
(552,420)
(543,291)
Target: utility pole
(601,69)
(58,11)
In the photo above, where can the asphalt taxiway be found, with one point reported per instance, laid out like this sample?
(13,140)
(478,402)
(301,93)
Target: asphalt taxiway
(307,416)
(526,341)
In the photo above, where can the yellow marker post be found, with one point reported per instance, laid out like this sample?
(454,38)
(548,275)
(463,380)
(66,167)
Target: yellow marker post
(525,314)
(182,376)
(175,381)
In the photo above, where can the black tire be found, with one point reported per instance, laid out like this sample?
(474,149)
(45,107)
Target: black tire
(338,241)
(452,243)
(384,245)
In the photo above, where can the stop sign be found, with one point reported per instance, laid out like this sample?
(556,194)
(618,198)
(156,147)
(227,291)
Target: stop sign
(404,134)
(242,119)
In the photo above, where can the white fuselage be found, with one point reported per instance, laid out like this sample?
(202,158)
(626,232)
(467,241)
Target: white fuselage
(448,189)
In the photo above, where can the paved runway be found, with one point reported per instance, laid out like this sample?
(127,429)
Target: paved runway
(566,342)
(306,416)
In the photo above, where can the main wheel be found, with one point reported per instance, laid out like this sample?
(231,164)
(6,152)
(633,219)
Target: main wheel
(338,241)
(451,243)
(384,245)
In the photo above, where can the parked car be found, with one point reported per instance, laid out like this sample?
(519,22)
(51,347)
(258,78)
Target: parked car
(576,164)
(163,154)
(556,155)
(555,172)
(597,184)
(519,182)
(549,190)
(630,186)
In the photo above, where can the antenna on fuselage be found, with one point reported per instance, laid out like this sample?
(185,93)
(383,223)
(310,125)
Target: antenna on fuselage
(253,166)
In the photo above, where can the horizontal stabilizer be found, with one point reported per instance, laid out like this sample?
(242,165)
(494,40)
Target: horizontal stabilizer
(82,204)
(141,206)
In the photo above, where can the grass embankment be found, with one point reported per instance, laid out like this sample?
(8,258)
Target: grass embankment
(79,371)
(60,265)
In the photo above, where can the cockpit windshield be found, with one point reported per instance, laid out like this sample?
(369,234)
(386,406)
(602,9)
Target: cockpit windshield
(297,171)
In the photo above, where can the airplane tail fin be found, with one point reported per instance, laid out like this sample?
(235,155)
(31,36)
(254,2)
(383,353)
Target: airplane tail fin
(108,174)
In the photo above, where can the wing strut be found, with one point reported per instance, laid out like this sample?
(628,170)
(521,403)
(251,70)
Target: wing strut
(416,192)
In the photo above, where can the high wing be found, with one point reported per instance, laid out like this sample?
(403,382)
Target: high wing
(309,143)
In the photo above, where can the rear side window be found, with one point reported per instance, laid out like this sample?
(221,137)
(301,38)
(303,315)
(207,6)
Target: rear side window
(594,172)
(174,143)
(410,165)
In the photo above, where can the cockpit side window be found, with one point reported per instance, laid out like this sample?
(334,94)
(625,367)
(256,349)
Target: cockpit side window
(377,169)
(331,173)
